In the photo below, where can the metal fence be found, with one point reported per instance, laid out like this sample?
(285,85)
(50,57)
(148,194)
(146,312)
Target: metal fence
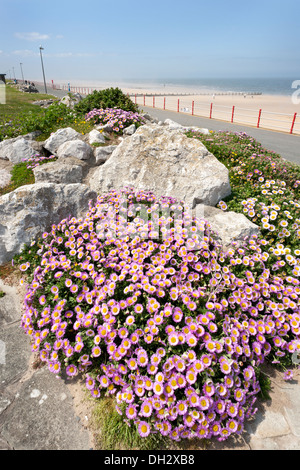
(253,117)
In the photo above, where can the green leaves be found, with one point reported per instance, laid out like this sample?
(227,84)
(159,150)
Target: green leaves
(108,98)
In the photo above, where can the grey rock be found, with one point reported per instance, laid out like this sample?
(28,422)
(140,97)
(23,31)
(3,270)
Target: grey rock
(16,353)
(30,210)
(104,127)
(166,162)
(129,130)
(147,116)
(96,137)
(10,307)
(43,417)
(43,103)
(175,125)
(172,124)
(198,129)
(71,100)
(58,172)
(29,89)
(75,148)
(227,226)
(103,153)
(16,150)
(5,177)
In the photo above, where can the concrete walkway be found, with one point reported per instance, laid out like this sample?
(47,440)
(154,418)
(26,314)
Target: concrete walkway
(37,410)
(41,412)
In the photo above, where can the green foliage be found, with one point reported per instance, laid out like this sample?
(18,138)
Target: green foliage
(18,113)
(108,98)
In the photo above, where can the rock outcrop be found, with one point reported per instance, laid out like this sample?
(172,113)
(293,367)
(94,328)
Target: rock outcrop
(103,153)
(96,137)
(71,99)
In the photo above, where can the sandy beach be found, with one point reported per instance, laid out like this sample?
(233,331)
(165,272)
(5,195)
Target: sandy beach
(277,112)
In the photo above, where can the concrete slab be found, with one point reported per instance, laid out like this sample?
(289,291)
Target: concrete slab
(292,409)
(267,425)
(42,417)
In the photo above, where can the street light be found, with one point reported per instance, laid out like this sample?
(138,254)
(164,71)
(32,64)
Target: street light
(22,71)
(41,49)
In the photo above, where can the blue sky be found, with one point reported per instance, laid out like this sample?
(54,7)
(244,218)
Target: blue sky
(115,40)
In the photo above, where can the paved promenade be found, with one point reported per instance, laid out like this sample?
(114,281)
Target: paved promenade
(288,146)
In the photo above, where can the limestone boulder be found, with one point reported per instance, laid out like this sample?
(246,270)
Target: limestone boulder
(75,148)
(104,127)
(60,137)
(129,130)
(17,149)
(227,226)
(175,125)
(103,153)
(96,137)
(31,210)
(172,124)
(5,177)
(58,172)
(71,99)
(166,162)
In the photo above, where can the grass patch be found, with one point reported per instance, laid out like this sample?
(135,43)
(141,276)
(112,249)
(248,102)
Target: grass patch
(17,101)
(21,176)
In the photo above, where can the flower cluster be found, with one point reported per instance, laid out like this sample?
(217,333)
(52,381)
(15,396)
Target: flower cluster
(118,119)
(140,297)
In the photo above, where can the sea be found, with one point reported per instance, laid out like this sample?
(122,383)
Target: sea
(265,86)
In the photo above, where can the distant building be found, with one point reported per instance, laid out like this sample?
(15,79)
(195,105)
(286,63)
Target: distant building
(2,77)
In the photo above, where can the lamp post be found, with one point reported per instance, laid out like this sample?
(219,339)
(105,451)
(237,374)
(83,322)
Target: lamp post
(41,49)
(22,71)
